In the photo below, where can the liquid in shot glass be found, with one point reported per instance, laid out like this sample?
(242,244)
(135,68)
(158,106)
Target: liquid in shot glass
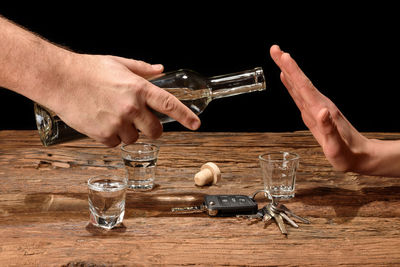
(140,160)
(107,200)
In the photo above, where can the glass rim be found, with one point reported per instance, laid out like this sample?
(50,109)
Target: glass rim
(108,176)
(294,156)
(155,148)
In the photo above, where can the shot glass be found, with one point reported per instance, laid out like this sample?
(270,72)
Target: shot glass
(279,174)
(140,160)
(107,200)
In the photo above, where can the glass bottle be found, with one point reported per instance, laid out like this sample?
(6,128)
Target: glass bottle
(192,89)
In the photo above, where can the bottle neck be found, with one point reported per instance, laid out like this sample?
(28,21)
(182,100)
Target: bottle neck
(237,83)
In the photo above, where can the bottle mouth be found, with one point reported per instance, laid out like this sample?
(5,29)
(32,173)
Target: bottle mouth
(260,78)
(238,83)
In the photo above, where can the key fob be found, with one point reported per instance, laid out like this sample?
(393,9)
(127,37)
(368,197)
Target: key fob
(229,205)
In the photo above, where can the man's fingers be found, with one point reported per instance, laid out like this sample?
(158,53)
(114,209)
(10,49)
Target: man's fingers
(139,67)
(128,133)
(276,54)
(299,80)
(112,141)
(164,102)
(295,76)
(296,97)
(148,124)
(286,63)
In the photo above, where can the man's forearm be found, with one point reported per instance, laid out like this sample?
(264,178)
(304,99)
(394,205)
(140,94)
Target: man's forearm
(29,65)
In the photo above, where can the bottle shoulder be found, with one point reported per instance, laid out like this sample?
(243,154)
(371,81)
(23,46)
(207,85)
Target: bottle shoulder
(186,74)
(182,78)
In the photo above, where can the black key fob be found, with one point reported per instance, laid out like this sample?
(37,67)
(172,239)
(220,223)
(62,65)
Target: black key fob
(229,205)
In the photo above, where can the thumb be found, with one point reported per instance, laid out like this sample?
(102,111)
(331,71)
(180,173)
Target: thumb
(325,122)
(332,141)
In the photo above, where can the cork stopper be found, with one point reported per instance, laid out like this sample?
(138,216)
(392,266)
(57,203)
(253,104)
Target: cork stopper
(208,174)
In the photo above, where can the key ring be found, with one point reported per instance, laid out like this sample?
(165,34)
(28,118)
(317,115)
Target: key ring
(260,191)
(273,200)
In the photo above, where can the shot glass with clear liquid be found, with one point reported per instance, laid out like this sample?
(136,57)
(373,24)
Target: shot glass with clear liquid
(107,200)
(279,174)
(140,160)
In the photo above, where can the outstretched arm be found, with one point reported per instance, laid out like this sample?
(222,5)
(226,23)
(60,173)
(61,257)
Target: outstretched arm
(105,97)
(344,147)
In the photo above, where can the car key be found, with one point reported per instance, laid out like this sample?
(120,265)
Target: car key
(283,214)
(290,221)
(284,209)
(223,205)
(278,220)
(266,218)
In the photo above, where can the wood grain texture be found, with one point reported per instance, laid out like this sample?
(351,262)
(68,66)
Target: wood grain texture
(44,209)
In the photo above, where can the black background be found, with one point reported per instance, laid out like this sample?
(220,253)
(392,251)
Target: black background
(350,53)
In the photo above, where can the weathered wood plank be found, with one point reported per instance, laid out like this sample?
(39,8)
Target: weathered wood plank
(44,211)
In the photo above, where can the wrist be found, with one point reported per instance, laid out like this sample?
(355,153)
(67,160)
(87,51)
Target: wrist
(30,65)
(54,75)
(368,162)
(383,157)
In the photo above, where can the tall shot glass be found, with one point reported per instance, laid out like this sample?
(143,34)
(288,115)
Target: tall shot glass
(107,200)
(140,160)
(279,174)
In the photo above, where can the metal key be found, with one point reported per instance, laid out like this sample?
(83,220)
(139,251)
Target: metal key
(278,220)
(292,223)
(267,217)
(284,216)
(284,209)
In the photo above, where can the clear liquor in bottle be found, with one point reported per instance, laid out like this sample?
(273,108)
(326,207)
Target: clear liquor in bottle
(191,88)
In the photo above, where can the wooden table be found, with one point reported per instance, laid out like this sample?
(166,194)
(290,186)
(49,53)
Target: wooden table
(44,209)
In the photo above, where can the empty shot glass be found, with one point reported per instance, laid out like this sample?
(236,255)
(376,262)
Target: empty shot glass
(140,160)
(107,200)
(279,174)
